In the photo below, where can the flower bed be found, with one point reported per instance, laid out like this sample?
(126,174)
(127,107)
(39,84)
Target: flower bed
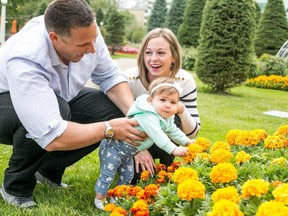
(269,82)
(245,175)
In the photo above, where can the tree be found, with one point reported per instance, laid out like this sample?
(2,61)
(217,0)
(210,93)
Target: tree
(188,33)
(115,29)
(158,15)
(272,31)
(226,43)
(175,15)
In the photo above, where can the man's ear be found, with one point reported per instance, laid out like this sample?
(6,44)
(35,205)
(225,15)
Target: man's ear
(54,37)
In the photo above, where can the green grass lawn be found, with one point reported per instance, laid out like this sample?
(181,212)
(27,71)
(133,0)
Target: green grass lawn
(243,109)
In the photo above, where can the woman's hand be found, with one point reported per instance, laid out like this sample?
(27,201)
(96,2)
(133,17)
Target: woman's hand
(146,161)
(180,108)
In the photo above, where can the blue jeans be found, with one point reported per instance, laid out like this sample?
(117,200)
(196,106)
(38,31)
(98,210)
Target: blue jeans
(115,157)
(90,105)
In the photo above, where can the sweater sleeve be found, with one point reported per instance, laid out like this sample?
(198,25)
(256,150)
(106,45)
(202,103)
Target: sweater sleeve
(150,123)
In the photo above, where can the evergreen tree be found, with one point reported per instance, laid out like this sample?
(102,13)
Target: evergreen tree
(258,13)
(158,15)
(115,29)
(226,43)
(272,31)
(175,16)
(188,33)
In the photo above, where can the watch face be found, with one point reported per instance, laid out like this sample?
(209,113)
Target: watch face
(110,133)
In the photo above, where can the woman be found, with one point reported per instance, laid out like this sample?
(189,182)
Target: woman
(160,56)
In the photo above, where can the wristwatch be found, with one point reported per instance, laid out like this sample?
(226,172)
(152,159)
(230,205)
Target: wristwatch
(109,132)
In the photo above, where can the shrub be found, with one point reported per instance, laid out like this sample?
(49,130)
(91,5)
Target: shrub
(189,58)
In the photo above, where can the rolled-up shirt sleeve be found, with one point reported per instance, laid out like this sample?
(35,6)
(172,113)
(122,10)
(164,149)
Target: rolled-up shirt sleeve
(107,73)
(34,101)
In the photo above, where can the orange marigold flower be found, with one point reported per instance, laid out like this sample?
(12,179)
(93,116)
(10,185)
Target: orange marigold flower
(175,165)
(134,190)
(219,144)
(260,134)
(231,136)
(242,157)
(225,207)
(228,193)
(223,173)
(140,208)
(272,208)
(151,190)
(203,142)
(145,175)
(247,138)
(193,150)
(275,142)
(254,187)
(191,189)
(160,167)
(184,173)
(220,156)
(280,193)
(141,195)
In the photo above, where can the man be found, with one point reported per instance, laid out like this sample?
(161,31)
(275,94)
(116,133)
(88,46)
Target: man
(46,113)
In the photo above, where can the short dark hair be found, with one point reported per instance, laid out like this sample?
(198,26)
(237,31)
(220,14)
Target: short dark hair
(62,15)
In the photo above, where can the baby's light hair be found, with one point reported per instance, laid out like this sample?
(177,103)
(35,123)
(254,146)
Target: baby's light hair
(164,85)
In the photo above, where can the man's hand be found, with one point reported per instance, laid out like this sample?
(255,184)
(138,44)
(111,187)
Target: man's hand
(146,161)
(124,130)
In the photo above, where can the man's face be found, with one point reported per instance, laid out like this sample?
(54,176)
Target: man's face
(73,47)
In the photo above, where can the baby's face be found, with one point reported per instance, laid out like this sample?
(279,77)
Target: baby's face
(165,105)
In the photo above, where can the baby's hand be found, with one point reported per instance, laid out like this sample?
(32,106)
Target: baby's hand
(180,151)
(191,141)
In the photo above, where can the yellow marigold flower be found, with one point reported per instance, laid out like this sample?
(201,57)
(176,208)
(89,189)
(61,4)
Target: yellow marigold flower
(254,187)
(203,142)
(183,173)
(223,173)
(272,208)
(281,193)
(282,130)
(117,214)
(140,208)
(260,134)
(228,193)
(220,144)
(145,175)
(141,194)
(231,136)
(225,208)
(191,189)
(193,150)
(118,211)
(109,207)
(247,138)
(242,157)
(281,161)
(204,156)
(274,142)
(220,156)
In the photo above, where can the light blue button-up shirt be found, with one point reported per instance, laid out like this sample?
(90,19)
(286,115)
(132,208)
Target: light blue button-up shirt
(32,72)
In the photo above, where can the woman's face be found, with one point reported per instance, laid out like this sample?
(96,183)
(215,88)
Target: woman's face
(158,58)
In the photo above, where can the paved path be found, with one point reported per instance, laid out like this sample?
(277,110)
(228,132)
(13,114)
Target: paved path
(124,63)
